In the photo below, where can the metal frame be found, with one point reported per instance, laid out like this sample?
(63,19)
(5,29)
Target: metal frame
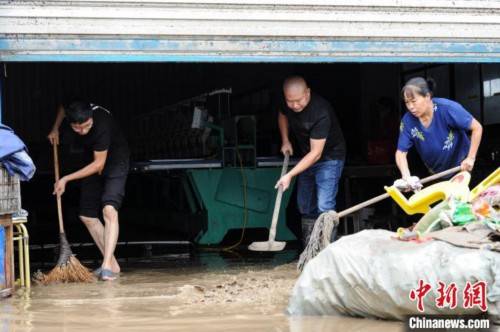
(22,237)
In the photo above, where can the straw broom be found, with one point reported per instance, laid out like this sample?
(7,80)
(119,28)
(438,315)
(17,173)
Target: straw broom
(68,268)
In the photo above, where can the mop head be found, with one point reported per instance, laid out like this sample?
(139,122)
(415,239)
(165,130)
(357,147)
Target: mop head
(320,237)
(68,268)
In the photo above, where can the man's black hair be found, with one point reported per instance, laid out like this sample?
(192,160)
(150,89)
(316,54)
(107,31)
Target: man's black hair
(78,111)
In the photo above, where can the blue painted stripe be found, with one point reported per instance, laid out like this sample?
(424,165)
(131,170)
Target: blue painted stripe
(253,59)
(159,50)
(185,46)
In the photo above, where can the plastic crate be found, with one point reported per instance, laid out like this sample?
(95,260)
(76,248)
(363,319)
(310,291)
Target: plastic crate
(10,192)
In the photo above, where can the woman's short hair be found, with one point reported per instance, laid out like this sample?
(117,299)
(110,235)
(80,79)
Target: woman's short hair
(418,86)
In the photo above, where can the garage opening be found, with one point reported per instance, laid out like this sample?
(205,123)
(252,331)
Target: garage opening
(186,120)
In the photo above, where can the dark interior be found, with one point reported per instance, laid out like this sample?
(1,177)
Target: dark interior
(365,97)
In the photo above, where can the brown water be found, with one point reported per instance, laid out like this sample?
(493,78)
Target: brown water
(239,297)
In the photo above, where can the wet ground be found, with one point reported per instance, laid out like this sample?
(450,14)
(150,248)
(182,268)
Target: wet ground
(207,291)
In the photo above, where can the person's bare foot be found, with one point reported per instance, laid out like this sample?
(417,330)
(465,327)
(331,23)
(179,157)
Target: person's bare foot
(115,268)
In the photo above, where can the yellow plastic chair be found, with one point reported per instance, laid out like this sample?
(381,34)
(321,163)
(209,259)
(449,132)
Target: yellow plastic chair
(420,202)
(492,179)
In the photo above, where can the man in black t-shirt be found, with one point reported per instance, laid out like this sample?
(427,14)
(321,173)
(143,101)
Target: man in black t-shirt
(103,179)
(321,146)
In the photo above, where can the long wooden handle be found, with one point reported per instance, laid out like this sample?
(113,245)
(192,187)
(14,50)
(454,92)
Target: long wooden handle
(59,202)
(384,196)
(277,204)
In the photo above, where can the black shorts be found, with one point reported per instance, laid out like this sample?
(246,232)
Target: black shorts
(97,191)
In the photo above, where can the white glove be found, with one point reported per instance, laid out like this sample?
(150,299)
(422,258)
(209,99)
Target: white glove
(412,183)
(401,185)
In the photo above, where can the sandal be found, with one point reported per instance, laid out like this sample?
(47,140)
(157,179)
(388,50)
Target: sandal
(108,275)
(97,272)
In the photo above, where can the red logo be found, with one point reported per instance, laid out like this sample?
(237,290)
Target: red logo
(447,295)
(473,295)
(419,294)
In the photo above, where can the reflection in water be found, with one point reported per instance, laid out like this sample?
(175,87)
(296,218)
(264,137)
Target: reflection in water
(210,292)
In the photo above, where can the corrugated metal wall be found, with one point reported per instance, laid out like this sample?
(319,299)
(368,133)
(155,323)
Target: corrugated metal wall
(33,90)
(223,30)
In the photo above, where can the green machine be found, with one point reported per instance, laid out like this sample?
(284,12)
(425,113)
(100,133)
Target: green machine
(234,188)
(230,197)
(235,198)
(241,193)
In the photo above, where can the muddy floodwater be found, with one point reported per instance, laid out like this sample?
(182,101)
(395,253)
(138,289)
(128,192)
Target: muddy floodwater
(212,292)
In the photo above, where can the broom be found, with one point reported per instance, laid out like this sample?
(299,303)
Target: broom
(68,268)
(321,235)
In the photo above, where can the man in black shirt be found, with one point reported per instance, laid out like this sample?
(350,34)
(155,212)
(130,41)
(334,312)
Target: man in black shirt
(321,145)
(103,179)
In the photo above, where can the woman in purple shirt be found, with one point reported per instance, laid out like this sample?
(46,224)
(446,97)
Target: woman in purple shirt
(438,128)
